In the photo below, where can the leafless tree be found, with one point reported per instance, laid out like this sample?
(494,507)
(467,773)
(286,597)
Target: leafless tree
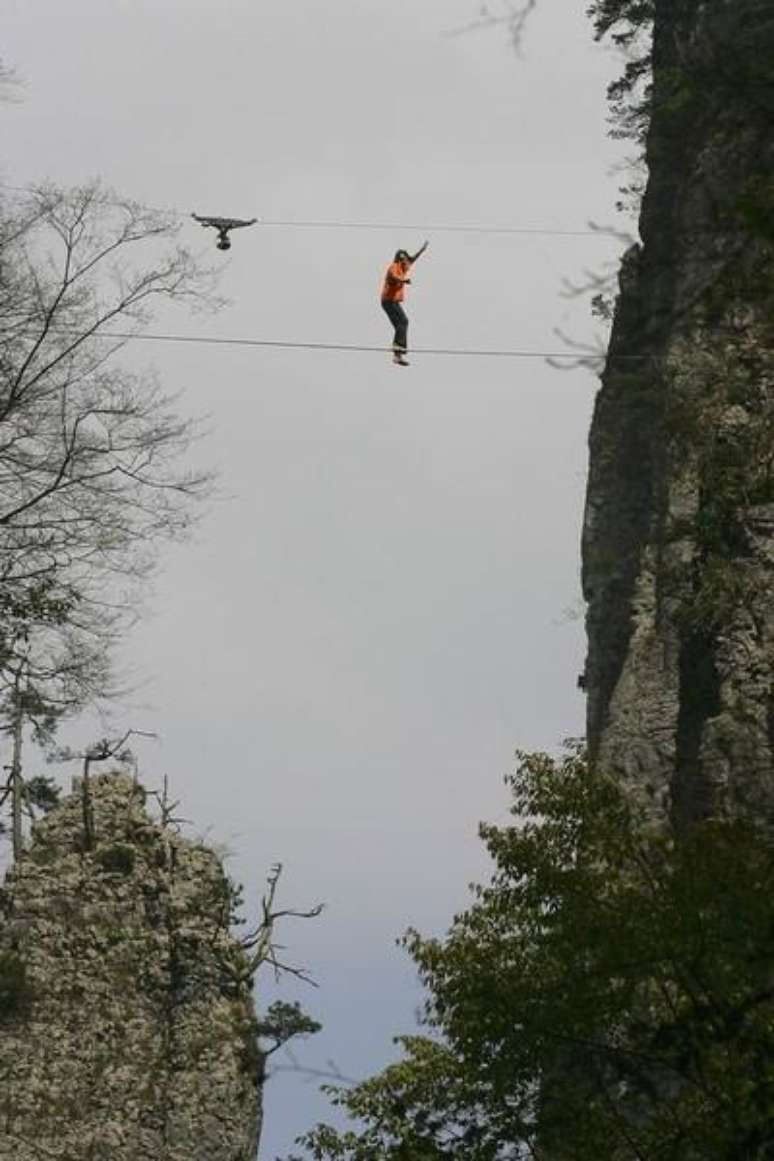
(52,665)
(90,450)
(259,946)
(92,477)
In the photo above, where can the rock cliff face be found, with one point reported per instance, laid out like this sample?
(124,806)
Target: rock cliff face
(678,543)
(126,1033)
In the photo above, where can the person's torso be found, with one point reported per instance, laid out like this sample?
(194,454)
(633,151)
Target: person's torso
(394,291)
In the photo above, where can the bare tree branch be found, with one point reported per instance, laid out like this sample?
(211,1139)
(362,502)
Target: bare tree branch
(259,946)
(513,16)
(83,440)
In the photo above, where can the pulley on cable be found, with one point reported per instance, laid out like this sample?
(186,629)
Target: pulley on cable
(223,225)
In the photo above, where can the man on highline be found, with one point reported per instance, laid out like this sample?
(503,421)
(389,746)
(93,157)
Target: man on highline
(393,294)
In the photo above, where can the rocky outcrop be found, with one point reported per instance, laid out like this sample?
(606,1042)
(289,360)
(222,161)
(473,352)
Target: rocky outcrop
(678,541)
(127,1030)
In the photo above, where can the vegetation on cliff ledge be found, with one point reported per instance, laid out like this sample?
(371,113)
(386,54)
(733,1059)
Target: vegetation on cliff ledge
(607,994)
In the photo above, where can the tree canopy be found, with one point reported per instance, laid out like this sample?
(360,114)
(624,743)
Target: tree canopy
(607,994)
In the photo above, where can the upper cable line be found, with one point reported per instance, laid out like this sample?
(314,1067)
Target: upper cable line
(449,228)
(591,231)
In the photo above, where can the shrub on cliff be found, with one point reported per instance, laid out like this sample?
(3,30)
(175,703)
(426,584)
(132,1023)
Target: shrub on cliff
(15,992)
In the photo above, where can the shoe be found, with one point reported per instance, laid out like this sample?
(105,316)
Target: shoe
(401,360)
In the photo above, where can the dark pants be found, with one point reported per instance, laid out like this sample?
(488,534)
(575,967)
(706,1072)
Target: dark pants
(397,316)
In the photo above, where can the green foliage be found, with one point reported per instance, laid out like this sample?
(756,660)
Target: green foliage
(282,1022)
(260,1038)
(234,899)
(26,611)
(755,207)
(39,602)
(734,470)
(628,24)
(251,1058)
(603,307)
(719,422)
(622,19)
(608,994)
(118,858)
(42,793)
(15,991)
(115,936)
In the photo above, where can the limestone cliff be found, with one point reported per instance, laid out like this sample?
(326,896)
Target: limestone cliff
(678,543)
(126,1032)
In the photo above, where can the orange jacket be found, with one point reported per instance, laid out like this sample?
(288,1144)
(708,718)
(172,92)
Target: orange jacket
(393,289)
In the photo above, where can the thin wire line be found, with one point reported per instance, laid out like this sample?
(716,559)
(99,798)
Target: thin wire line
(449,228)
(312,346)
(435,228)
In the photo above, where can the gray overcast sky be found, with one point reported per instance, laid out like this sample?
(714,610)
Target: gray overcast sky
(374,615)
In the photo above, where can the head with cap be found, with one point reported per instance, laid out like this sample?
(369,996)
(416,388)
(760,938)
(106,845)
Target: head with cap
(402,256)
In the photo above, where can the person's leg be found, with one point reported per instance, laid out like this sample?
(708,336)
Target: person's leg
(401,328)
(399,320)
(397,317)
(389,309)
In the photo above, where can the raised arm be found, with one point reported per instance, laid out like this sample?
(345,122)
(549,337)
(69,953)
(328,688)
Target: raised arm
(419,253)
